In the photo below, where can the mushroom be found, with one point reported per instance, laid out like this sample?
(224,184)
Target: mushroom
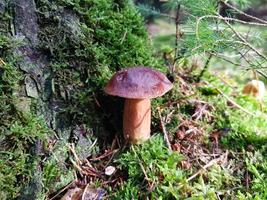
(256,88)
(137,85)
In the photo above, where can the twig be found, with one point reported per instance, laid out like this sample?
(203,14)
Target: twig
(71,147)
(254,68)
(244,40)
(209,164)
(244,22)
(243,56)
(233,102)
(76,166)
(111,157)
(164,131)
(140,163)
(84,191)
(261,73)
(177,31)
(225,20)
(2,62)
(92,145)
(96,101)
(169,115)
(223,80)
(238,64)
(60,191)
(205,68)
(104,155)
(243,13)
(123,37)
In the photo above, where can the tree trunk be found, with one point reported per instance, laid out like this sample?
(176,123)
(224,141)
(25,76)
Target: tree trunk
(65,53)
(34,64)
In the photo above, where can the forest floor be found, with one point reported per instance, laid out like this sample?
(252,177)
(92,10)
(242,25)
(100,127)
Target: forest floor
(61,136)
(218,140)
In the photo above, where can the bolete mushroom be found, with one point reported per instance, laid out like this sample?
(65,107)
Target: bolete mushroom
(137,85)
(256,88)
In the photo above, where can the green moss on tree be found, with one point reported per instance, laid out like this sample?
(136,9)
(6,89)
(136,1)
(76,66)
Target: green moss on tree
(84,42)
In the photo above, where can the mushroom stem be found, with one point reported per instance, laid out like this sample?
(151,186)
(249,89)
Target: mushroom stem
(136,120)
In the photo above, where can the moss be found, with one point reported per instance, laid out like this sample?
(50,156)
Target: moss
(55,172)
(160,168)
(84,42)
(243,140)
(18,134)
(87,42)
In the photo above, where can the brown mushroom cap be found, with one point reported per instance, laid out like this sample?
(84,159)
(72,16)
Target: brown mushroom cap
(138,83)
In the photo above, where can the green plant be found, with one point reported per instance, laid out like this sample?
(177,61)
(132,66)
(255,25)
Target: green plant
(200,111)
(84,42)
(18,126)
(152,169)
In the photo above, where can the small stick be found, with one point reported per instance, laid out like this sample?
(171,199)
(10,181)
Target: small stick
(123,37)
(104,155)
(244,40)
(164,131)
(223,80)
(2,62)
(111,157)
(209,164)
(142,167)
(84,191)
(177,32)
(234,103)
(205,68)
(76,165)
(96,101)
(71,147)
(230,100)
(245,14)
(238,64)
(62,190)
(92,145)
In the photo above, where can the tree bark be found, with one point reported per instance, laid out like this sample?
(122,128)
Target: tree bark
(33,63)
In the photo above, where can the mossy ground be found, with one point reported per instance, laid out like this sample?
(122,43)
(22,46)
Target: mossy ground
(220,148)
(200,167)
